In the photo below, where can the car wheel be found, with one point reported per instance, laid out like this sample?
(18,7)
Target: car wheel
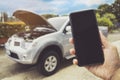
(49,63)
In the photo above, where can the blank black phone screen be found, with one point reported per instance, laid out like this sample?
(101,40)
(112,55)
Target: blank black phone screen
(86,37)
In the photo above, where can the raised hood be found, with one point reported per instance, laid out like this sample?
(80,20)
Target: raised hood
(32,19)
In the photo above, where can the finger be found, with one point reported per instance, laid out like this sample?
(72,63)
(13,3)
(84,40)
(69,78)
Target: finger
(71,40)
(72,51)
(104,40)
(75,61)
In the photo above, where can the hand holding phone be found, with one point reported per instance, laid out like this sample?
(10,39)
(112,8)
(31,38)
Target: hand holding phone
(86,37)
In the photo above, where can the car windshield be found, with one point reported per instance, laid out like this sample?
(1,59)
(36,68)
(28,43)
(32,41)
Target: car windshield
(57,22)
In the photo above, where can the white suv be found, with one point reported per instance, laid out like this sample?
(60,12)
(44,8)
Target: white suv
(44,42)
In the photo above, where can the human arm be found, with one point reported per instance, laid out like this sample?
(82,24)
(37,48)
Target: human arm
(110,68)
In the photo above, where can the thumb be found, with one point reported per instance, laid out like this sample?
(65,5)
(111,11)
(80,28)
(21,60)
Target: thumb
(104,40)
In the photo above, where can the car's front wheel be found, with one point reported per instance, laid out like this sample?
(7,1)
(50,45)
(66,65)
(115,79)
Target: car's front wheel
(49,62)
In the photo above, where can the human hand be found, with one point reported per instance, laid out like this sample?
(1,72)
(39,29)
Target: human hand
(111,63)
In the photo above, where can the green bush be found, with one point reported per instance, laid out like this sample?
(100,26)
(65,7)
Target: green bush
(7,30)
(106,20)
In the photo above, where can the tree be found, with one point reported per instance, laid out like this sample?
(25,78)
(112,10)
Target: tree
(106,20)
(104,8)
(3,17)
(116,9)
(110,16)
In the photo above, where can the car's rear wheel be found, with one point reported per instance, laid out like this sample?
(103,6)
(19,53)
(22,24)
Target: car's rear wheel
(49,62)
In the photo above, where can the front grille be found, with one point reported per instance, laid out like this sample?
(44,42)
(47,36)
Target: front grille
(14,55)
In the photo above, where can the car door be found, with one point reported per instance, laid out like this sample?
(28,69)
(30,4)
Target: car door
(67,34)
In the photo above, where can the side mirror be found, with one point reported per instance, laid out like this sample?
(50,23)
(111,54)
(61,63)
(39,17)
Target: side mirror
(68,30)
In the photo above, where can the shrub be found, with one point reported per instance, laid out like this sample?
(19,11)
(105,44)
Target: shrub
(106,20)
(9,28)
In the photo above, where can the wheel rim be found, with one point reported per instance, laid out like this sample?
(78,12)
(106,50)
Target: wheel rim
(50,63)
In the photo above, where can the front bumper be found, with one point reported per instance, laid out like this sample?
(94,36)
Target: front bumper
(18,57)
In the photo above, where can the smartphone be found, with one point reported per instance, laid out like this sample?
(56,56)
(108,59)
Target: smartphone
(86,38)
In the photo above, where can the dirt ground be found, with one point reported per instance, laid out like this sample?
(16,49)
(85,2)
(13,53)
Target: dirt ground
(10,70)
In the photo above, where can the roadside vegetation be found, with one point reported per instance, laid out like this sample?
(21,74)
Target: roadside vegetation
(109,16)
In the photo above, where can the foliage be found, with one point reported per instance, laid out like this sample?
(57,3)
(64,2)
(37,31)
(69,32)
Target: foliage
(116,9)
(4,17)
(112,8)
(105,20)
(111,12)
(104,8)
(9,28)
(109,15)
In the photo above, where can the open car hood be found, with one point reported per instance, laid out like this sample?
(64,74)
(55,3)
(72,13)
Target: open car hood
(32,19)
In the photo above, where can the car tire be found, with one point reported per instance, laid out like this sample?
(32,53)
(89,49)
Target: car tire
(49,63)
